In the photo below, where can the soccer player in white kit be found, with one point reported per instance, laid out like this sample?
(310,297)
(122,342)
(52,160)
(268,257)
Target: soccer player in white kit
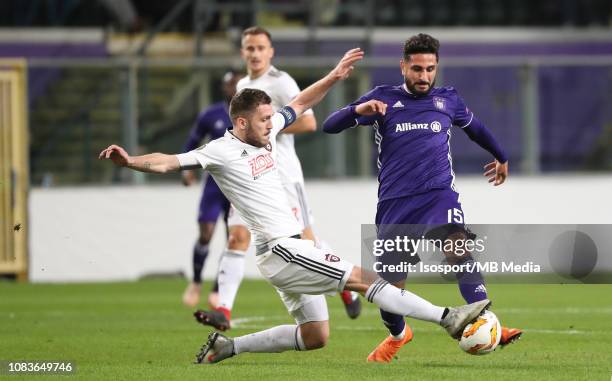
(244,164)
(257,52)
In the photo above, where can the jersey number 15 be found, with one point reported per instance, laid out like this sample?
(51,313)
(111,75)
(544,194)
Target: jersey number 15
(455,216)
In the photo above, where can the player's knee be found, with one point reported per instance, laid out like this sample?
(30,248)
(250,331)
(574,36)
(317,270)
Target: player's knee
(204,239)
(457,251)
(239,239)
(314,334)
(206,233)
(316,340)
(460,235)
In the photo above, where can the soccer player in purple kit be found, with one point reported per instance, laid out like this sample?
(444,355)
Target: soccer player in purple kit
(412,123)
(212,122)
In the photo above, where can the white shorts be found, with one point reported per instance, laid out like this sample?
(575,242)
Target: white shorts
(305,308)
(296,266)
(297,201)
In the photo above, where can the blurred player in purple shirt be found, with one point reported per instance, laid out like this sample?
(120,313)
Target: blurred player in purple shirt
(212,122)
(412,123)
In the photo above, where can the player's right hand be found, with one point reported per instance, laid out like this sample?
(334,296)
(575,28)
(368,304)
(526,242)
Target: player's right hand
(115,153)
(345,66)
(188,177)
(371,107)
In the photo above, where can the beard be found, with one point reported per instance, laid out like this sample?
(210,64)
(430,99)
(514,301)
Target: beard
(253,139)
(412,87)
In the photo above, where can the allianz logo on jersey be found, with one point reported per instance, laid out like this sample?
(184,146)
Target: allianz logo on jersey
(435,126)
(261,165)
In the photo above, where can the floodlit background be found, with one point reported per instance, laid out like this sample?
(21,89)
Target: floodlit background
(538,73)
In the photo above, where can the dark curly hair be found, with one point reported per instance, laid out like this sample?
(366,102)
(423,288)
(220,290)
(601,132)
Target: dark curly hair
(421,43)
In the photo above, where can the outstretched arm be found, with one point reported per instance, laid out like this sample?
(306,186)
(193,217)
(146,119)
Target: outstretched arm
(314,93)
(152,163)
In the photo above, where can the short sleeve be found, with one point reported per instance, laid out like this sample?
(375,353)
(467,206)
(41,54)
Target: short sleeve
(208,156)
(463,116)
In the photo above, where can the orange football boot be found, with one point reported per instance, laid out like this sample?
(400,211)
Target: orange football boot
(386,351)
(509,336)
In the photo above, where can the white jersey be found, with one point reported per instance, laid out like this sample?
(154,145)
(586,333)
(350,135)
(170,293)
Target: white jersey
(248,176)
(282,89)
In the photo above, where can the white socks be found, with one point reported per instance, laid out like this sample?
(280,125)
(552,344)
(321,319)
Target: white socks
(277,339)
(402,302)
(231,272)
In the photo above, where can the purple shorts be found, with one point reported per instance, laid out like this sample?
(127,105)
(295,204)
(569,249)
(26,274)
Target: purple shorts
(435,214)
(212,203)
(434,208)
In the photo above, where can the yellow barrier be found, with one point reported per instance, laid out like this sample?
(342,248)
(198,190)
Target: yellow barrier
(14,168)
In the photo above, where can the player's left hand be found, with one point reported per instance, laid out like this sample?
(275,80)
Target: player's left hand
(496,172)
(371,107)
(345,66)
(115,153)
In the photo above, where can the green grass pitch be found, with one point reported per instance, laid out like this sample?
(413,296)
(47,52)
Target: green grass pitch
(140,331)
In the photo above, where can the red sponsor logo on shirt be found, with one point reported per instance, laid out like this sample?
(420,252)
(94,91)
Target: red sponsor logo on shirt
(261,164)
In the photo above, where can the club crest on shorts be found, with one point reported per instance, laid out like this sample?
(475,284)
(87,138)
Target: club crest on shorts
(439,103)
(331,258)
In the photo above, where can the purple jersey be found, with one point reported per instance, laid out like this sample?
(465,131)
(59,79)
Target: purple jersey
(413,139)
(212,122)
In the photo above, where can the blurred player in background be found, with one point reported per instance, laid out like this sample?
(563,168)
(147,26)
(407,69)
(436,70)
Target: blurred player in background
(212,122)
(257,52)
(412,123)
(301,272)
